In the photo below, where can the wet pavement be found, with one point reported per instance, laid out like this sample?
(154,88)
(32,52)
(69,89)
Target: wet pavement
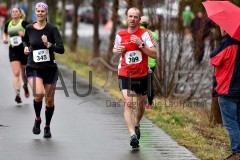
(83,127)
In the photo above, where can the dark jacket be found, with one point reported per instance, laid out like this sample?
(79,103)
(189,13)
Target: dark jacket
(197,26)
(226,60)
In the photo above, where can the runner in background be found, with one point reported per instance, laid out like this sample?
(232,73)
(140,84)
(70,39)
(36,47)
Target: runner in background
(151,61)
(15,29)
(187,17)
(3,14)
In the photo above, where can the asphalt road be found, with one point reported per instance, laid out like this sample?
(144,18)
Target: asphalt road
(83,128)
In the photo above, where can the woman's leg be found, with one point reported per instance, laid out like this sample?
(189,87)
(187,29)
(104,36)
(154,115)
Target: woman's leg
(25,81)
(49,100)
(37,87)
(16,67)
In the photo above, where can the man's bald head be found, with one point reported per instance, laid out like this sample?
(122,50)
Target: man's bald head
(134,9)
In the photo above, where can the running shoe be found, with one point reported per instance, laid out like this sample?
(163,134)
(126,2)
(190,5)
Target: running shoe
(137,131)
(18,99)
(47,133)
(26,91)
(134,141)
(36,128)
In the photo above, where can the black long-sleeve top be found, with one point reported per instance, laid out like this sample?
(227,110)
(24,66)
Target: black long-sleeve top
(34,41)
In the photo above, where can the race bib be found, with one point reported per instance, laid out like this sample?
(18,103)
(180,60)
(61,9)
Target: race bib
(41,55)
(133,57)
(15,40)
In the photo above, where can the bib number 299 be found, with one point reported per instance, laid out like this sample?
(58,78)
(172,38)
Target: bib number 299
(133,57)
(133,60)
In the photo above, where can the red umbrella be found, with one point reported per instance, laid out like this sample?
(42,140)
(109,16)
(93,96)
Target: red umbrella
(226,15)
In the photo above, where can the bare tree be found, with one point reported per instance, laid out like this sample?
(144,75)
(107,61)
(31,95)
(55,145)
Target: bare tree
(139,5)
(8,3)
(96,4)
(129,4)
(29,8)
(114,27)
(177,76)
(135,3)
(52,11)
(74,37)
(63,17)
(215,115)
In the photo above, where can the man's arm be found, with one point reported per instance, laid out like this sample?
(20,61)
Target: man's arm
(118,48)
(147,46)
(5,34)
(115,50)
(150,51)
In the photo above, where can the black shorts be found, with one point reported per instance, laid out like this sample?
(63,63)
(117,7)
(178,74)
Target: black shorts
(17,54)
(139,85)
(48,75)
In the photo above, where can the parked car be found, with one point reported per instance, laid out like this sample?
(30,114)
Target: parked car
(86,15)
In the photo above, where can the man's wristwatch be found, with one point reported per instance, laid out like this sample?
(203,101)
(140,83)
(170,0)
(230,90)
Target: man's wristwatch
(142,45)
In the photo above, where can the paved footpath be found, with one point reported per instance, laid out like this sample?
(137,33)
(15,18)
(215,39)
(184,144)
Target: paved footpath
(83,128)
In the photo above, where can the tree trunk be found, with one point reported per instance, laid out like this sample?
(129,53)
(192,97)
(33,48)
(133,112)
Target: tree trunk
(135,3)
(52,8)
(215,115)
(63,27)
(129,5)
(29,9)
(74,37)
(161,62)
(182,5)
(96,40)
(114,27)
(8,3)
(139,5)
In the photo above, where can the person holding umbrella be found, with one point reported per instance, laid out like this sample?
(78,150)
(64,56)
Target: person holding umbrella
(226,60)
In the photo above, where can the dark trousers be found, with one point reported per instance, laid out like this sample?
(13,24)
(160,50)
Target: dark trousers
(151,95)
